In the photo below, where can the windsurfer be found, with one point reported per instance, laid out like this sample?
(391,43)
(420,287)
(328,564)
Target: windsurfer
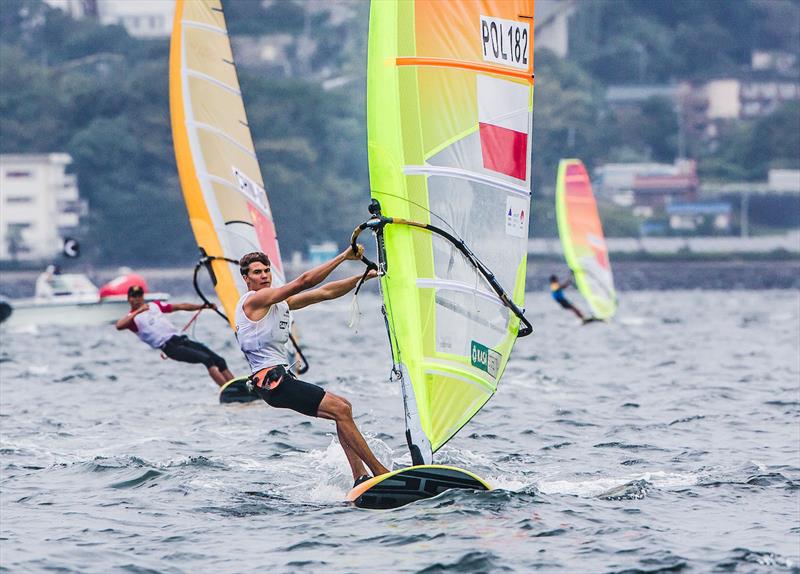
(148,322)
(262,328)
(557,292)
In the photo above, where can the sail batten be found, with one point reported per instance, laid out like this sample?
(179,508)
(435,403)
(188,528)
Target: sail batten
(582,238)
(468,175)
(449,129)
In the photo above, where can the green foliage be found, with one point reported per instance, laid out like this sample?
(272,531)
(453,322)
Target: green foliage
(653,41)
(567,118)
(311,146)
(750,149)
(618,221)
(655,128)
(102,96)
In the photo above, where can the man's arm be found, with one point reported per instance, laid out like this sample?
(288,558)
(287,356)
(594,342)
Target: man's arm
(191,306)
(567,282)
(264,298)
(127,320)
(327,292)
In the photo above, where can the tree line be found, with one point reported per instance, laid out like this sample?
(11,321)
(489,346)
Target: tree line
(102,96)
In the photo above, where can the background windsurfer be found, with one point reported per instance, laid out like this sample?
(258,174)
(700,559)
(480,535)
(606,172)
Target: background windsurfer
(557,292)
(148,322)
(262,328)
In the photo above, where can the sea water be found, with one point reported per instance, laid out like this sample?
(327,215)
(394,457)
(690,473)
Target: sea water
(664,441)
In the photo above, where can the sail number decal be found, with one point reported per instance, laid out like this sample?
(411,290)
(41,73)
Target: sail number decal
(505,41)
(251,190)
(485,359)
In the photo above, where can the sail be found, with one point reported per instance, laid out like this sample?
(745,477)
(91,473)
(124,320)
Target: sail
(582,238)
(450,103)
(219,171)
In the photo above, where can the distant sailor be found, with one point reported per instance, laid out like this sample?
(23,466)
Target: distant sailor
(46,282)
(147,320)
(262,327)
(557,291)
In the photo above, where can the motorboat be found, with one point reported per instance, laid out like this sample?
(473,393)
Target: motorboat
(72,299)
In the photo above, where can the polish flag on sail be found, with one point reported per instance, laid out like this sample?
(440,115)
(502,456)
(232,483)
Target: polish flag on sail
(504,124)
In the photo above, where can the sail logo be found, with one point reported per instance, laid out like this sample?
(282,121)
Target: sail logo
(517,209)
(505,42)
(485,359)
(252,191)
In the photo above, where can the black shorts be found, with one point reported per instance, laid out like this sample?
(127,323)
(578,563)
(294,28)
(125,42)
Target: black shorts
(292,393)
(564,303)
(182,348)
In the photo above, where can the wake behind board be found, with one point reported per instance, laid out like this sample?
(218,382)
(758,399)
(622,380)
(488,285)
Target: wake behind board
(401,487)
(237,391)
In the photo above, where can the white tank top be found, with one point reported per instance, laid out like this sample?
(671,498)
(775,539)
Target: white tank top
(263,342)
(152,327)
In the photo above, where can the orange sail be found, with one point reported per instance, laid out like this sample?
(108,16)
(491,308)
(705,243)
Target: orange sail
(219,171)
(582,238)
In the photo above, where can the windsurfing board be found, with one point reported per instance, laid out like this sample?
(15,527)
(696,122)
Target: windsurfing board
(406,485)
(237,391)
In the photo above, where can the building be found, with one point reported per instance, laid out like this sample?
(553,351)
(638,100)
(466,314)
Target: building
(649,185)
(39,205)
(319,253)
(552,25)
(761,97)
(76,8)
(783,180)
(621,97)
(141,18)
(657,191)
(710,216)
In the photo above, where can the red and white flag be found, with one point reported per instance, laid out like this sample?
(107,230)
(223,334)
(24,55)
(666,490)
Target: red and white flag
(504,124)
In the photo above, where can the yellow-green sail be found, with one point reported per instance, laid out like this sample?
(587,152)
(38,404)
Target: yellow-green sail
(582,238)
(219,171)
(450,103)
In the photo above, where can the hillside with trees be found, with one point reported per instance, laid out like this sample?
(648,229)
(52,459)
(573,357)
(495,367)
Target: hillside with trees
(102,96)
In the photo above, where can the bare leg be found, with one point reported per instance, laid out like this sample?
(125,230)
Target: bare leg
(217,375)
(228,375)
(356,464)
(577,312)
(336,408)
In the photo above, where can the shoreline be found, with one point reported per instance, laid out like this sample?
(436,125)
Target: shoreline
(629,275)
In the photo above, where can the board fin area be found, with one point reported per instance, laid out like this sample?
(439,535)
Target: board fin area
(237,391)
(401,487)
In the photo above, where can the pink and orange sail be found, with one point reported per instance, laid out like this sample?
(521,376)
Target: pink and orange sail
(582,238)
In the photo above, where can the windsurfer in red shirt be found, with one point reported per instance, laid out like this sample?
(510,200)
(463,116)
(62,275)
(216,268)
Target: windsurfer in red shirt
(147,320)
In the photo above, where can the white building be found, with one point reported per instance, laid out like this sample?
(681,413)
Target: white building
(723,99)
(783,180)
(39,205)
(552,25)
(76,8)
(141,18)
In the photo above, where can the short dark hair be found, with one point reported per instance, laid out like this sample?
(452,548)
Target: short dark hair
(553,278)
(135,291)
(249,259)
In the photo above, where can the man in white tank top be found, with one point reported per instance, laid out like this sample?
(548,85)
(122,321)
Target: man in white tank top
(262,328)
(150,324)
